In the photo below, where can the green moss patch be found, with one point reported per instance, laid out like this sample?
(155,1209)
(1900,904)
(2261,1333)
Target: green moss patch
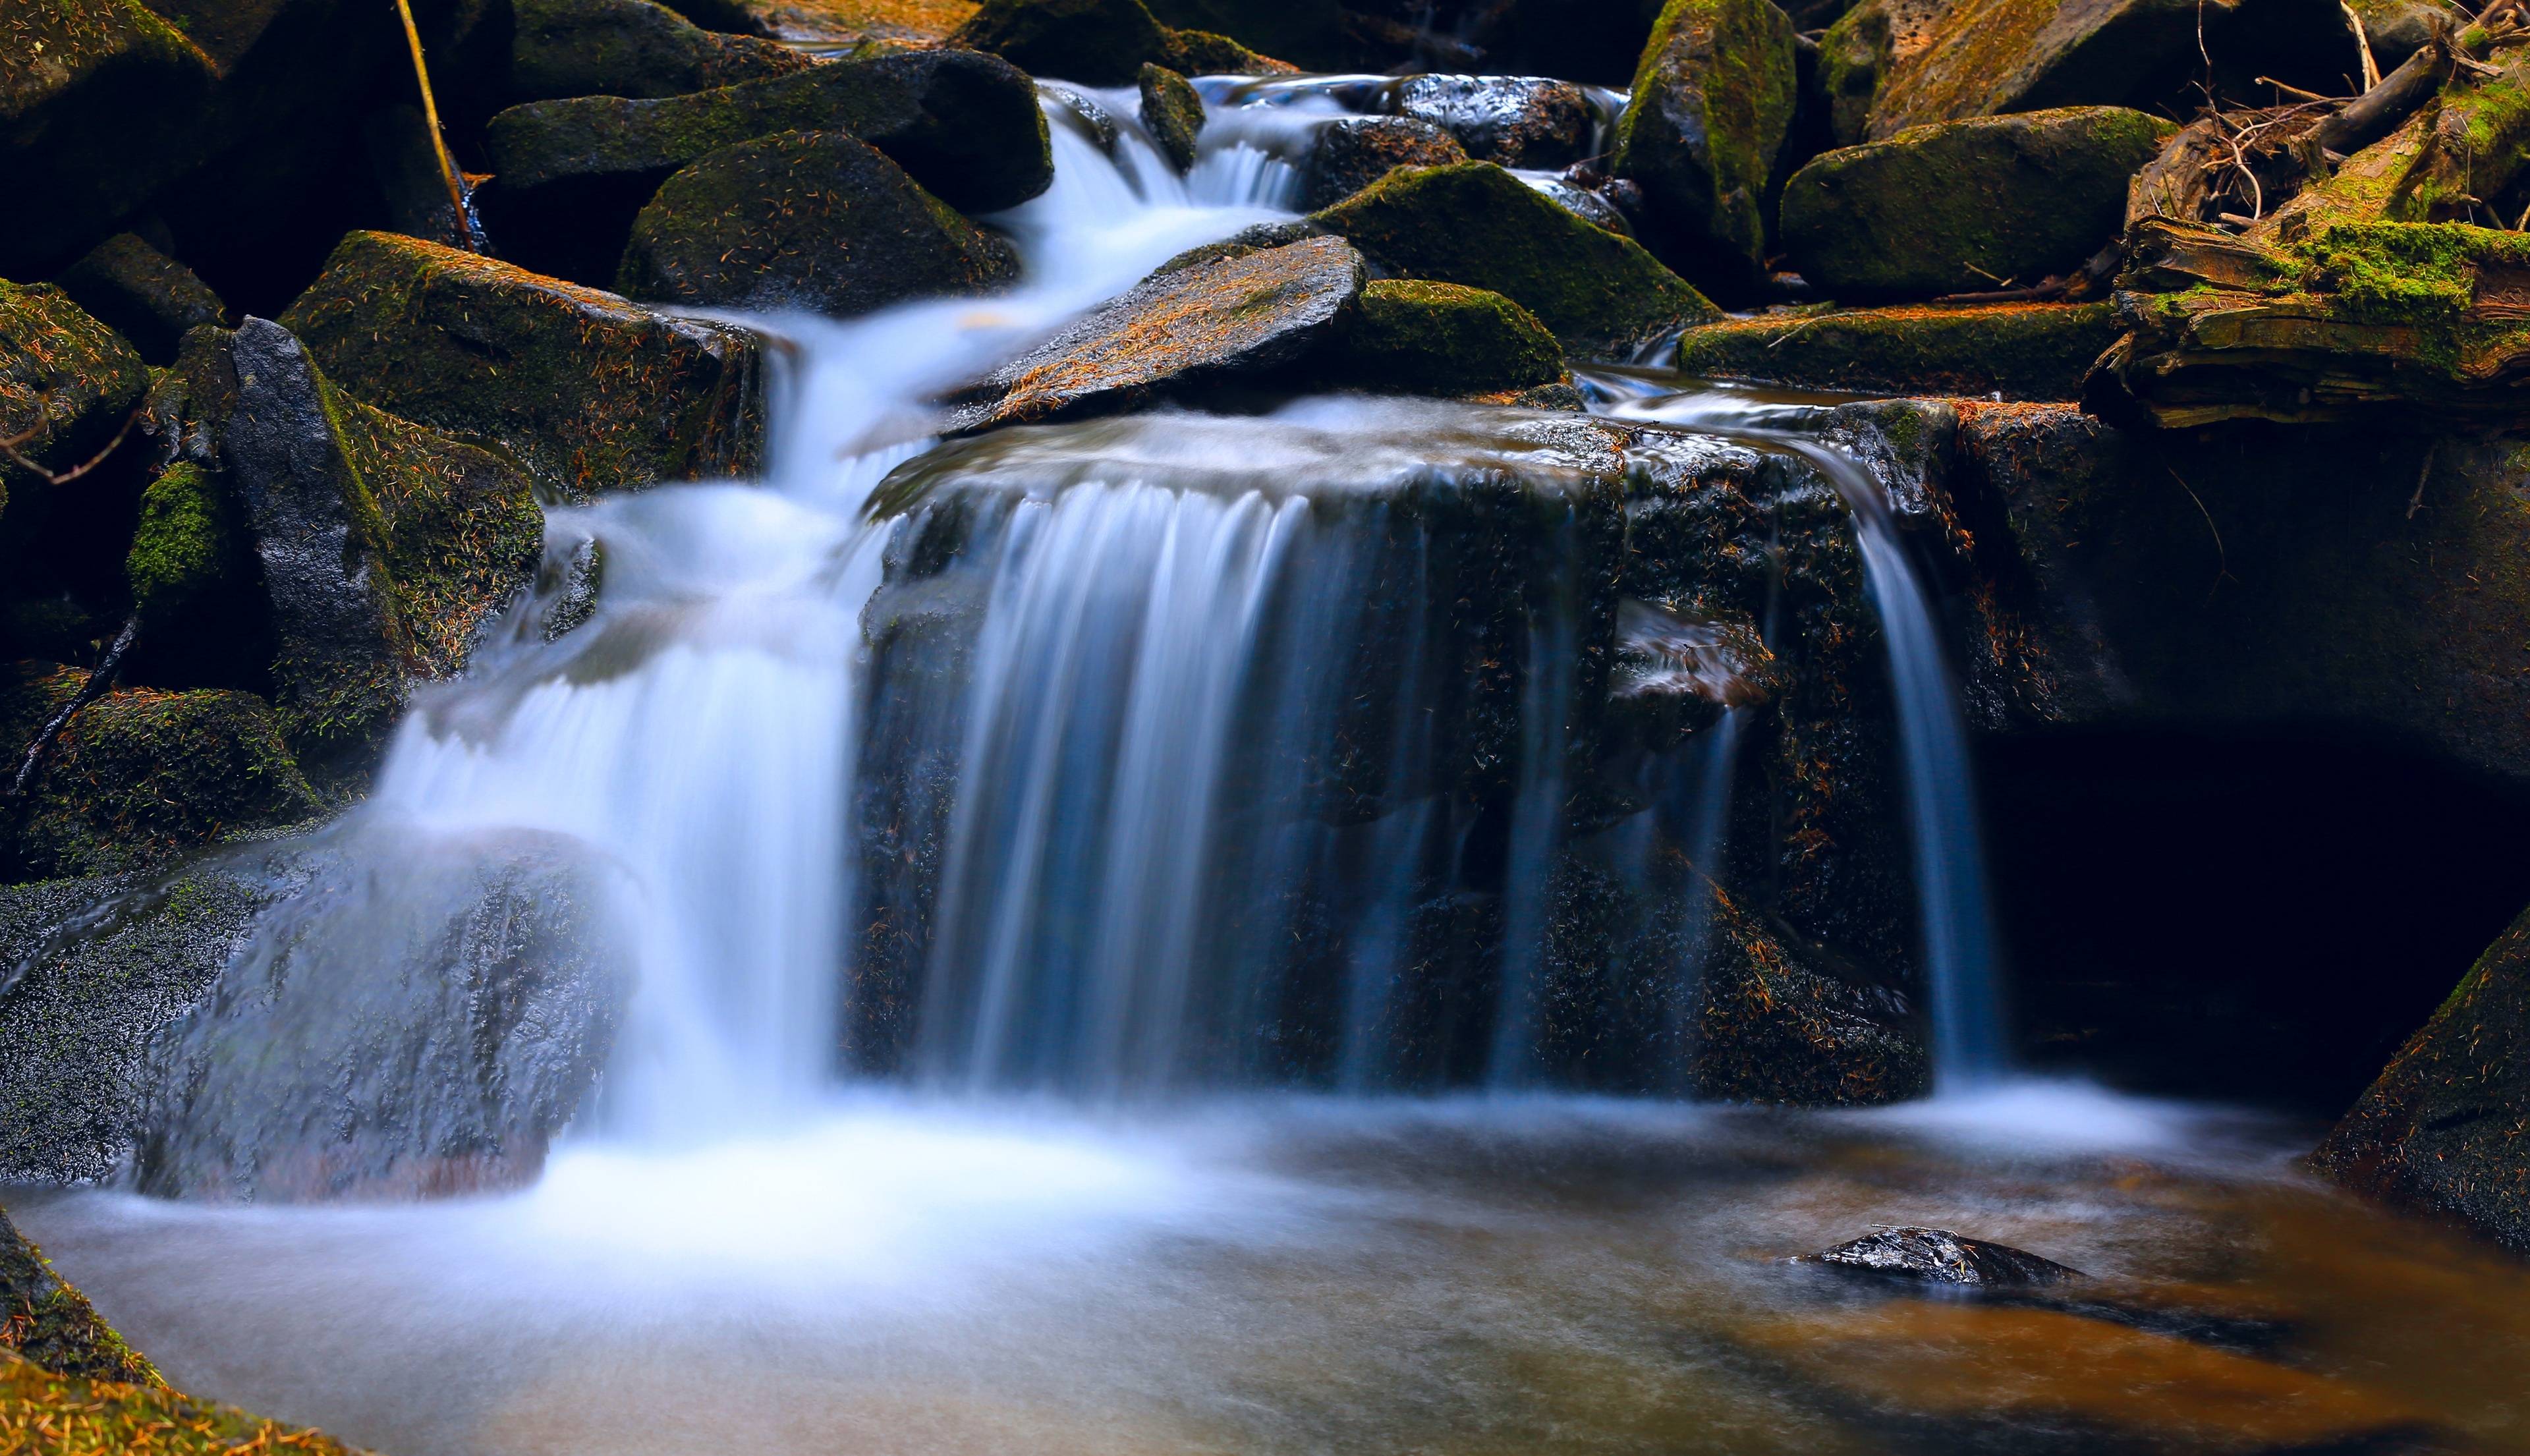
(1172,113)
(1410,336)
(66,1415)
(1710,108)
(2019,350)
(66,380)
(47,1321)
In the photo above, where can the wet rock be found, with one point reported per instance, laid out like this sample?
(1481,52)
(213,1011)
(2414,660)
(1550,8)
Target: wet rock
(1937,1255)
(631,49)
(1780,1021)
(2016,351)
(129,1414)
(590,392)
(54,1327)
(1514,121)
(68,384)
(2447,1126)
(2397,28)
(2357,321)
(1195,324)
(1098,42)
(1441,339)
(140,775)
(406,164)
(572,174)
(142,294)
(1172,113)
(1966,206)
(1475,224)
(1891,65)
(1703,130)
(814,220)
(1591,197)
(196,586)
(1255,238)
(1351,154)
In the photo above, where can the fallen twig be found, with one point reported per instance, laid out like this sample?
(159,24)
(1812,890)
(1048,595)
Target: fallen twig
(8,447)
(98,680)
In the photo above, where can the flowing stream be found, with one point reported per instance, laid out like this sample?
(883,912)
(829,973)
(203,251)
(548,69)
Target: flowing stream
(1053,1185)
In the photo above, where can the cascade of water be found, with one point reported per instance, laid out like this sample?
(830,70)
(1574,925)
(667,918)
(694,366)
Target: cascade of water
(1942,830)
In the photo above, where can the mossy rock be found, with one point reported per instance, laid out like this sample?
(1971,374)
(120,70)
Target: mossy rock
(1770,1027)
(68,383)
(572,174)
(140,775)
(1350,155)
(1323,35)
(143,294)
(72,1415)
(1418,338)
(1233,316)
(196,586)
(1966,206)
(631,49)
(1204,53)
(51,1325)
(1100,42)
(590,392)
(1172,112)
(813,220)
(2447,1125)
(1703,130)
(2016,351)
(1475,224)
(1516,121)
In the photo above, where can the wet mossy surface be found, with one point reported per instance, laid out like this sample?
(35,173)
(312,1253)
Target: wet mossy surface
(47,1322)
(61,1414)
(2018,350)
(1966,206)
(1172,111)
(590,392)
(812,220)
(631,49)
(68,384)
(1475,224)
(1441,339)
(1710,109)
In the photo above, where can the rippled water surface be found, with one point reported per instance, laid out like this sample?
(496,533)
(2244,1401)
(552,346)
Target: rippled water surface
(1294,1275)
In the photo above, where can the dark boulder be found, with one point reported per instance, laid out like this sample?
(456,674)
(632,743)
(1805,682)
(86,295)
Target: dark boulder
(1891,65)
(2447,1126)
(68,385)
(1194,325)
(1966,206)
(814,220)
(631,49)
(405,161)
(52,1323)
(2016,351)
(1515,121)
(1936,1256)
(1596,44)
(572,174)
(1348,155)
(1099,42)
(590,392)
(1475,224)
(142,294)
(196,586)
(1704,130)
(1441,339)
(1172,112)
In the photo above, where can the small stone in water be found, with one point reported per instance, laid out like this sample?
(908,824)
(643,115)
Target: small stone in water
(1939,1257)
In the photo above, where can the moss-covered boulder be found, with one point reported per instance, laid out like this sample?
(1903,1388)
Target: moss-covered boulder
(140,774)
(196,586)
(74,1414)
(1704,127)
(1966,206)
(1417,337)
(1515,121)
(2017,351)
(1475,224)
(52,1326)
(1348,155)
(143,294)
(68,384)
(813,220)
(590,392)
(631,49)
(1891,65)
(1172,112)
(572,174)
(1098,42)
(1173,331)
(2447,1126)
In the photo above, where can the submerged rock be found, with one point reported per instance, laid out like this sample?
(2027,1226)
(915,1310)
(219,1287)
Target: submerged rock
(1704,127)
(631,49)
(1099,42)
(143,294)
(1348,155)
(2017,351)
(1937,1255)
(813,220)
(53,1327)
(572,174)
(1172,113)
(1175,330)
(1966,206)
(1477,225)
(590,392)
(2447,1126)
(1441,339)
(1513,121)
